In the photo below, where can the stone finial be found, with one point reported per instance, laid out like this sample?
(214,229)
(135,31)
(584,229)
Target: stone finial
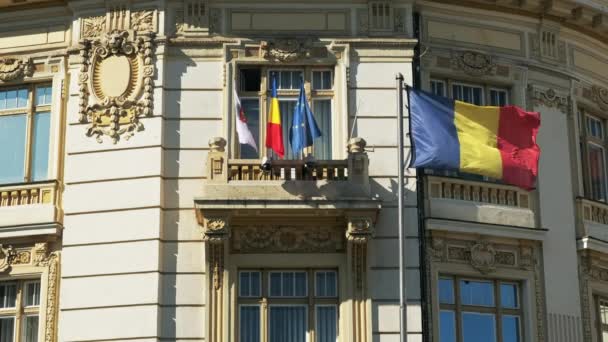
(217,144)
(356,145)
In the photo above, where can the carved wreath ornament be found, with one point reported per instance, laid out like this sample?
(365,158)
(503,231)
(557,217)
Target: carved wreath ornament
(12,68)
(117,71)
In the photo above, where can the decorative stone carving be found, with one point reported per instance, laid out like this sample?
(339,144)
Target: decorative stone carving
(6,257)
(286,50)
(474,63)
(483,257)
(117,70)
(13,68)
(363,21)
(287,239)
(359,229)
(599,95)
(142,21)
(52,261)
(21,258)
(215,20)
(216,230)
(356,145)
(549,98)
(93,26)
(41,253)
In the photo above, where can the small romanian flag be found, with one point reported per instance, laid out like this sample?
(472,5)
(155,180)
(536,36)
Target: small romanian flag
(274,130)
(497,142)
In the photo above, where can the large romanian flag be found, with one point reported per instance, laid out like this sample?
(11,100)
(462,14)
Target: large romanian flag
(497,142)
(274,131)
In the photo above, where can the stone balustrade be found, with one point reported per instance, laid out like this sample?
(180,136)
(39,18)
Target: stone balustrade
(484,192)
(27,194)
(592,211)
(354,168)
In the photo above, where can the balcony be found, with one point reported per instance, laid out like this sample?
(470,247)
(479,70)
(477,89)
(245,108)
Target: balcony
(592,224)
(29,209)
(480,207)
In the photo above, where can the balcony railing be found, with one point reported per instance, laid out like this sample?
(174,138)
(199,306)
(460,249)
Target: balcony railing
(479,202)
(27,194)
(482,192)
(354,168)
(592,211)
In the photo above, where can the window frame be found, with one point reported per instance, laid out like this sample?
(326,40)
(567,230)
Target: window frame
(311,301)
(497,310)
(264,95)
(600,326)
(486,88)
(19,312)
(586,140)
(30,111)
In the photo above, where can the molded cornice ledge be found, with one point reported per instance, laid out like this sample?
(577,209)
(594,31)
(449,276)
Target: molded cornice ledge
(199,41)
(378,42)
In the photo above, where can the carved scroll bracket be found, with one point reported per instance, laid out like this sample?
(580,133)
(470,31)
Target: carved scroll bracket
(360,229)
(14,68)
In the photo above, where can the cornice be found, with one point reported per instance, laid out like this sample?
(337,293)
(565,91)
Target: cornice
(212,41)
(373,42)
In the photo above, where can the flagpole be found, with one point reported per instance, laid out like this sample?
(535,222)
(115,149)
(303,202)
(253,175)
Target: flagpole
(400,163)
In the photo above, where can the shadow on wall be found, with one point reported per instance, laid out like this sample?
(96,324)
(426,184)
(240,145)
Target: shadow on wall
(182,256)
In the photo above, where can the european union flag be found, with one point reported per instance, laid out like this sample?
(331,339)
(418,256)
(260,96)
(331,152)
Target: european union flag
(304,128)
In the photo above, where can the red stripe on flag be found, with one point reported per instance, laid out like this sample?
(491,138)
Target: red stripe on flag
(517,131)
(274,138)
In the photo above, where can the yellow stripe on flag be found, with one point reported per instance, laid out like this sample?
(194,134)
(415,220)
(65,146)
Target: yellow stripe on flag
(275,112)
(477,128)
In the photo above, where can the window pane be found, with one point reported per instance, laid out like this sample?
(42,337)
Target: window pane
(604,312)
(40,147)
(249,324)
(594,128)
(320,284)
(322,114)
(255,284)
(11,99)
(326,284)
(2,99)
(508,296)
(32,294)
(597,171)
(331,284)
(478,327)
(244,288)
(326,324)
(8,295)
(447,326)
(317,82)
(251,107)
(22,98)
(446,291)
(287,108)
(498,97)
(300,283)
(275,284)
(250,79)
(438,87)
(510,329)
(288,284)
(12,148)
(476,293)
(287,323)
(7,329)
(30,329)
(469,94)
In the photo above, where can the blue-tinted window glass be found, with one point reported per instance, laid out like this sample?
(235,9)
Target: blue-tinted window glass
(249,322)
(287,107)
(256,291)
(446,291)
(22,98)
(447,326)
(275,284)
(251,107)
(43,95)
(7,329)
(244,284)
(2,99)
(326,284)
(12,148)
(320,284)
(498,97)
(476,293)
(287,323)
(478,327)
(331,284)
(438,88)
(288,284)
(321,80)
(322,114)
(11,99)
(300,284)
(326,324)
(40,146)
(508,296)
(510,329)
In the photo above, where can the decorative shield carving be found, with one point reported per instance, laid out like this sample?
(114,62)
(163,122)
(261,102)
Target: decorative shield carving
(117,71)
(286,50)
(474,63)
(483,257)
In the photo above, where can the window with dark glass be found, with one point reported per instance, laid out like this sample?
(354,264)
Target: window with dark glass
(298,302)
(602,319)
(479,310)
(593,152)
(254,92)
(19,311)
(25,119)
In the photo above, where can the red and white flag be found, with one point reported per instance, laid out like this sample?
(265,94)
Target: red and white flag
(245,136)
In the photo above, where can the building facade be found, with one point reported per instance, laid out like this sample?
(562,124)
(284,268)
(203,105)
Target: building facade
(130,212)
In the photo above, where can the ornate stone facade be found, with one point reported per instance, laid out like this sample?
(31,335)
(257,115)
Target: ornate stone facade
(474,63)
(14,68)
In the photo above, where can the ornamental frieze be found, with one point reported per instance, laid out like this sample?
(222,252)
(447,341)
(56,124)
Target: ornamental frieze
(287,239)
(15,68)
(474,63)
(116,84)
(549,97)
(286,50)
